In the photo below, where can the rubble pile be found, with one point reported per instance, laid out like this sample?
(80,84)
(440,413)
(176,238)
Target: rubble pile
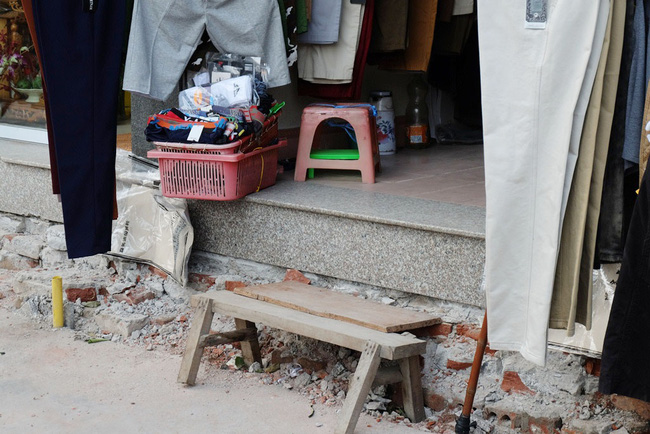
(112,299)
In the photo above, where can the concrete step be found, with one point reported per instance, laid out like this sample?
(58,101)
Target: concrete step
(412,245)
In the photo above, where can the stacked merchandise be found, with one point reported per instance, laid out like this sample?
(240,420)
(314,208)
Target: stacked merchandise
(206,146)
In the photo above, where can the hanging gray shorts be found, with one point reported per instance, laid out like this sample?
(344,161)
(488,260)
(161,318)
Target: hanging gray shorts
(165,34)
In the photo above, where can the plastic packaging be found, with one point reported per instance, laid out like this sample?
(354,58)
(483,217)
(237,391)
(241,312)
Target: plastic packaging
(153,229)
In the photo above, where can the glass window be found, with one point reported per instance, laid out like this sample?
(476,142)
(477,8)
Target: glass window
(21,90)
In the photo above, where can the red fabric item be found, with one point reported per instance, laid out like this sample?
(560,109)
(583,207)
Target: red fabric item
(349,91)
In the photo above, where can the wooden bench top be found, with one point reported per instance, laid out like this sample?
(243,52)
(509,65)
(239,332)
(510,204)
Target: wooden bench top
(330,304)
(393,346)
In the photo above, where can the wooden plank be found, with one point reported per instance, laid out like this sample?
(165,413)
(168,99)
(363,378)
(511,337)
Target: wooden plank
(412,388)
(250,349)
(193,350)
(330,304)
(228,337)
(393,346)
(359,388)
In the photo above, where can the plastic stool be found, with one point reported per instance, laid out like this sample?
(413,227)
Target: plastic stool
(361,117)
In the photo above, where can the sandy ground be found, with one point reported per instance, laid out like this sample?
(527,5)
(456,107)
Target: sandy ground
(50,382)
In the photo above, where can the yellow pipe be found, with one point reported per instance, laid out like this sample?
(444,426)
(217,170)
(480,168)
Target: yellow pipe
(57,302)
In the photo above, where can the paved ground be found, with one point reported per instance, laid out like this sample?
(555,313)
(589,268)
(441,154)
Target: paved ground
(50,382)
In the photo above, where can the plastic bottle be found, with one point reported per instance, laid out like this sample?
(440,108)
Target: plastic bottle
(417,113)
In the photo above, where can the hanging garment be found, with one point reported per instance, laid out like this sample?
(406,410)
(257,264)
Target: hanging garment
(352,90)
(421,26)
(324,25)
(644,146)
(611,236)
(80,50)
(54,172)
(528,107)
(334,63)
(389,26)
(624,363)
(165,33)
(639,75)
(572,289)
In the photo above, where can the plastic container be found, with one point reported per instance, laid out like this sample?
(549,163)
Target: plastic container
(219,172)
(417,114)
(212,175)
(383,102)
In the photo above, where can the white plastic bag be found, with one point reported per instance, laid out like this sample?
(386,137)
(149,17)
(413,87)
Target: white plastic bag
(153,229)
(233,92)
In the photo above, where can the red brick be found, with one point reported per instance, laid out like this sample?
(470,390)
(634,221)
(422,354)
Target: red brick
(321,374)
(232,284)
(512,383)
(276,358)
(297,276)
(442,329)
(458,366)
(468,330)
(625,403)
(182,318)
(157,272)
(311,365)
(592,367)
(436,402)
(202,282)
(85,294)
(134,296)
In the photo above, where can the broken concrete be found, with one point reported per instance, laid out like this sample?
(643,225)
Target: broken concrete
(513,395)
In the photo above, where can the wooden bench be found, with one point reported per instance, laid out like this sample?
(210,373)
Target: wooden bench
(332,323)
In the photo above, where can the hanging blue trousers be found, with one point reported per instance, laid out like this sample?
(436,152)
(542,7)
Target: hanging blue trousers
(81,50)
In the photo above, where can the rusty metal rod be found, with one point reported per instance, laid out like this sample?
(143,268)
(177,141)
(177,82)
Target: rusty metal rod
(463,422)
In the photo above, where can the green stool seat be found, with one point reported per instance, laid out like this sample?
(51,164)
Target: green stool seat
(332,154)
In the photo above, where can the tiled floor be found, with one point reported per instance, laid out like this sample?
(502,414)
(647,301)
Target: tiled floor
(445,173)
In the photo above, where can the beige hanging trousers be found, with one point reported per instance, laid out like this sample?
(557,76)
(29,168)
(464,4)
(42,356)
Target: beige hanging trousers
(532,80)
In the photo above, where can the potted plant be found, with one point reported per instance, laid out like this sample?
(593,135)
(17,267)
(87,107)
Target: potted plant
(19,68)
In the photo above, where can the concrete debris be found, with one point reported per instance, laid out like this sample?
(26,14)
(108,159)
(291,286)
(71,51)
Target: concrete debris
(55,237)
(135,304)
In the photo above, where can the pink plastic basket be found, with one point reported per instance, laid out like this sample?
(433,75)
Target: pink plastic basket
(212,174)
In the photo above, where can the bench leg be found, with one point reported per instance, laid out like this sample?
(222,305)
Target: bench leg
(412,388)
(250,349)
(193,350)
(359,388)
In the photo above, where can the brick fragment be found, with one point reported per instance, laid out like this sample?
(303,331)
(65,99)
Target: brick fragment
(437,330)
(232,284)
(512,383)
(311,365)
(202,282)
(85,294)
(625,403)
(592,367)
(135,296)
(277,359)
(469,330)
(457,365)
(157,272)
(436,402)
(297,276)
